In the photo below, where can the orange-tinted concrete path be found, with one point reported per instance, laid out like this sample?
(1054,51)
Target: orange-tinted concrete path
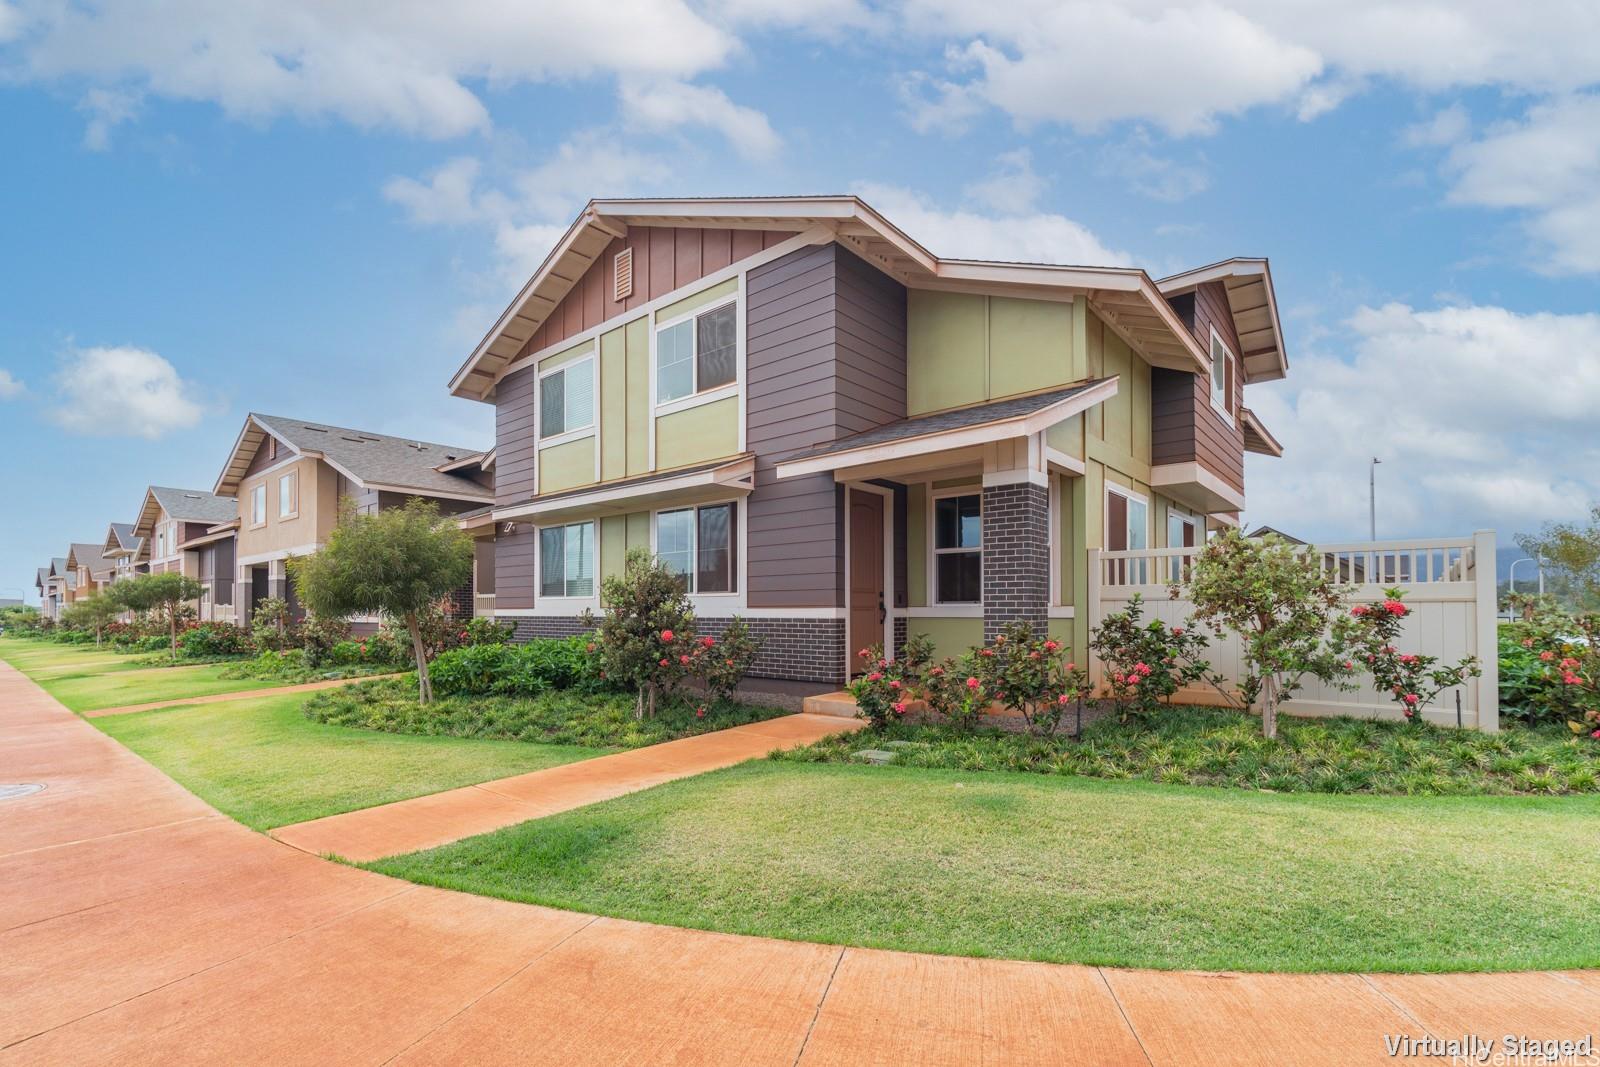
(138,926)
(243,694)
(437,819)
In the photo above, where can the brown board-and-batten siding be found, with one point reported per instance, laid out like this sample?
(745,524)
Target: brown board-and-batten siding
(1184,426)
(825,357)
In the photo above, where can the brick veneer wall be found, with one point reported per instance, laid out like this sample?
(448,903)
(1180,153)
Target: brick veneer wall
(1016,557)
(796,650)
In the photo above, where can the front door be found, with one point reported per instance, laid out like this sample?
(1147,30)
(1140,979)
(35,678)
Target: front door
(865,586)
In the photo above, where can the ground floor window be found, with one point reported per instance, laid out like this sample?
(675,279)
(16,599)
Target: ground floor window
(1128,528)
(699,545)
(566,560)
(958,549)
(1181,531)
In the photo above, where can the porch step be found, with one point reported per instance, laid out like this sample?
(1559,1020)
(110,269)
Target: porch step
(840,703)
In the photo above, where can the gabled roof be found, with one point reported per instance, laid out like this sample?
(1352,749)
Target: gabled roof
(91,556)
(1126,298)
(371,460)
(42,579)
(58,567)
(121,540)
(1257,438)
(184,505)
(1255,311)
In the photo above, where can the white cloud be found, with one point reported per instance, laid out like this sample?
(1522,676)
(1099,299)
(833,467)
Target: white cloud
(1157,176)
(1446,127)
(447,198)
(1183,66)
(10,385)
(665,105)
(1013,187)
(1483,417)
(403,66)
(107,109)
(1549,166)
(123,392)
(1028,236)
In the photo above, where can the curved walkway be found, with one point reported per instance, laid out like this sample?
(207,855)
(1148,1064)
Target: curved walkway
(137,925)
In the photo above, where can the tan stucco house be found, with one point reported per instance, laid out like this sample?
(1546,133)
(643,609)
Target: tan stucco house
(844,438)
(187,530)
(290,477)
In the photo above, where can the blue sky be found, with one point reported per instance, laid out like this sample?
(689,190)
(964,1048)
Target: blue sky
(316,208)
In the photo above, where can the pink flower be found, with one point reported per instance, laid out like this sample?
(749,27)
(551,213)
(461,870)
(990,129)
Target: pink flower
(1411,698)
(1142,668)
(1349,665)
(1133,681)
(1050,646)
(1547,656)
(1063,699)
(894,683)
(1569,663)
(883,663)
(708,641)
(666,635)
(1411,713)
(1408,659)
(874,676)
(1119,677)
(663,661)
(1394,607)
(1572,679)
(1033,655)
(900,708)
(937,671)
(1177,631)
(972,683)
(1596,735)
(1359,610)
(1527,642)
(986,652)
(700,713)
(683,659)
(1072,666)
(864,653)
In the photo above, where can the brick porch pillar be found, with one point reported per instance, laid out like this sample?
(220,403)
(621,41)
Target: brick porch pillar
(1016,557)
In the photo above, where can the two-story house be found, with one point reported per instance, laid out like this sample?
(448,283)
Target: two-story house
(291,476)
(843,438)
(92,571)
(123,547)
(186,530)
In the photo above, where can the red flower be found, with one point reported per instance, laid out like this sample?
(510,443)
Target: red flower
(1359,610)
(683,659)
(1050,646)
(700,713)
(986,652)
(1596,735)
(900,708)
(972,683)
(864,653)
(1411,698)
(1063,699)
(1349,665)
(874,676)
(1394,607)
(1408,659)
(1411,713)
(708,641)
(894,683)
(1572,679)
(1547,656)
(666,635)
(937,671)
(1177,631)
(663,661)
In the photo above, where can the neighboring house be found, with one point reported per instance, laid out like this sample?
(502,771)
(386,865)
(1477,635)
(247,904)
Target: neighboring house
(57,584)
(124,547)
(1353,562)
(91,569)
(291,477)
(845,439)
(188,531)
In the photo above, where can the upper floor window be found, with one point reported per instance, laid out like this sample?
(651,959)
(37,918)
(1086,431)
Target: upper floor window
(697,353)
(1221,374)
(258,505)
(958,549)
(698,544)
(566,560)
(289,495)
(566,398)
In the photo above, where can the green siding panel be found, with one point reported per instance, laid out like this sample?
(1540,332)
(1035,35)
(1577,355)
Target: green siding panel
(1030,345)
(613,544)
(946,350)
(698,300)
(566,355)
(917,545)
(638,396)
(698,434)
(614,404)
(566,466)
(950,636)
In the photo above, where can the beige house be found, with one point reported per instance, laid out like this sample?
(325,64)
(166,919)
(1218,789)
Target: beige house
(844,438)
(92,571)
(290,478)
(187,531)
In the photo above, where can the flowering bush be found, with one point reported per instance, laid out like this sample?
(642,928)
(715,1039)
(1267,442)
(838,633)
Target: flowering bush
(645,640)
(1551,670)
(271,626)
(1412,681)
(1145,663)
(1028,675)
(215,639)
(883,689)
(953,691)
(722,662)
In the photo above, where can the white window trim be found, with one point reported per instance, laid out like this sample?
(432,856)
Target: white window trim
(696,396)
(1194,521)
(976,489)
(579,433)
(1126,494)
(1229,364)
(713,604)
(294,495)
(578,602)
(256,524)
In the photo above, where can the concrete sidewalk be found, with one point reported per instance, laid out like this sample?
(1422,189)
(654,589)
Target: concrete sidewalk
(437,819)
(138,926)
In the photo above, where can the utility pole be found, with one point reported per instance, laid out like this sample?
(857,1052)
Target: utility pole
(1372,496)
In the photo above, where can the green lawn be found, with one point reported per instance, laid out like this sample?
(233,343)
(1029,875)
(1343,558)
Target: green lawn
(1067,869)
(47,657)
(263,762)
(85,679)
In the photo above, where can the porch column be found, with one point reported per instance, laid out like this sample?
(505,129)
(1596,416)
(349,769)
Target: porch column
(1016,551)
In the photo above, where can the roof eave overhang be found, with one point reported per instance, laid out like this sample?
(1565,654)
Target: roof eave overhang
(1263,357)
(942,441)
(1192,484)
(251,434)
(1257,438)
(734,477)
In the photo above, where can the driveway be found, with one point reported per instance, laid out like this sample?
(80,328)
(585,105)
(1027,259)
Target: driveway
(139,926)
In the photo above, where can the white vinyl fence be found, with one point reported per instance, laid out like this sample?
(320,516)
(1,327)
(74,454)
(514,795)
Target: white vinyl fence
(1452,600)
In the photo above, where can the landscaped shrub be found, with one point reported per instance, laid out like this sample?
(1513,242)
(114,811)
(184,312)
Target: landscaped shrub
(513,670)
(882,690)
(1412,680)
(1550,669)
(723,662)
(1029,675)
(317,636)
(481,630)
(1146,663)
(215,639)
(270,625)
(645,640)
(946,687)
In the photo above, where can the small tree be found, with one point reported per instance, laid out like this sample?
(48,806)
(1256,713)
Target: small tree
(398,562)
(164,593)
(646,638)
(92,613)
(1282,606)
(1412,680)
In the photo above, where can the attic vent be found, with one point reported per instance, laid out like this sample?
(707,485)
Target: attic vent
(622,275)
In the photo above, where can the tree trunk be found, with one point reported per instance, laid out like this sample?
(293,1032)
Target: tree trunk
(1269,708)
(424,683)
(172,627)
(638,706)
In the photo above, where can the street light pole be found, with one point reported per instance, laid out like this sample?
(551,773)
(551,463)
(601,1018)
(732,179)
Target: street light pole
(1372,496)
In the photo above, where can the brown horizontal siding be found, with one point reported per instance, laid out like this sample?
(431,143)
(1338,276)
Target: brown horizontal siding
(516,445)
(825,352)
(664,258)
(513,567)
